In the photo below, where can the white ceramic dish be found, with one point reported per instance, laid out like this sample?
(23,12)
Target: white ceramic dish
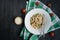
(45,27)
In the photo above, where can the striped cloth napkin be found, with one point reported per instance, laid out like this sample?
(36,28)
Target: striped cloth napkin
(55,20)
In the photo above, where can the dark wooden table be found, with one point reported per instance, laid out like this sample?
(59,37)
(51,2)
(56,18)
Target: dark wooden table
(12,8)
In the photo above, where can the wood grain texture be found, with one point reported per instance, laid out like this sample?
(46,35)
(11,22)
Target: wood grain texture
(12,8)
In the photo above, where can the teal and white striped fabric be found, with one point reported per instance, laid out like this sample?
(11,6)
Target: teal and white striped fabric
(55,20)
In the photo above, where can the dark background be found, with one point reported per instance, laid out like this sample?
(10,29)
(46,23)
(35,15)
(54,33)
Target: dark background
(9,9)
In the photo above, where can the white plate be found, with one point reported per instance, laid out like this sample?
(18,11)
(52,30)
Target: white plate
(39,31)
